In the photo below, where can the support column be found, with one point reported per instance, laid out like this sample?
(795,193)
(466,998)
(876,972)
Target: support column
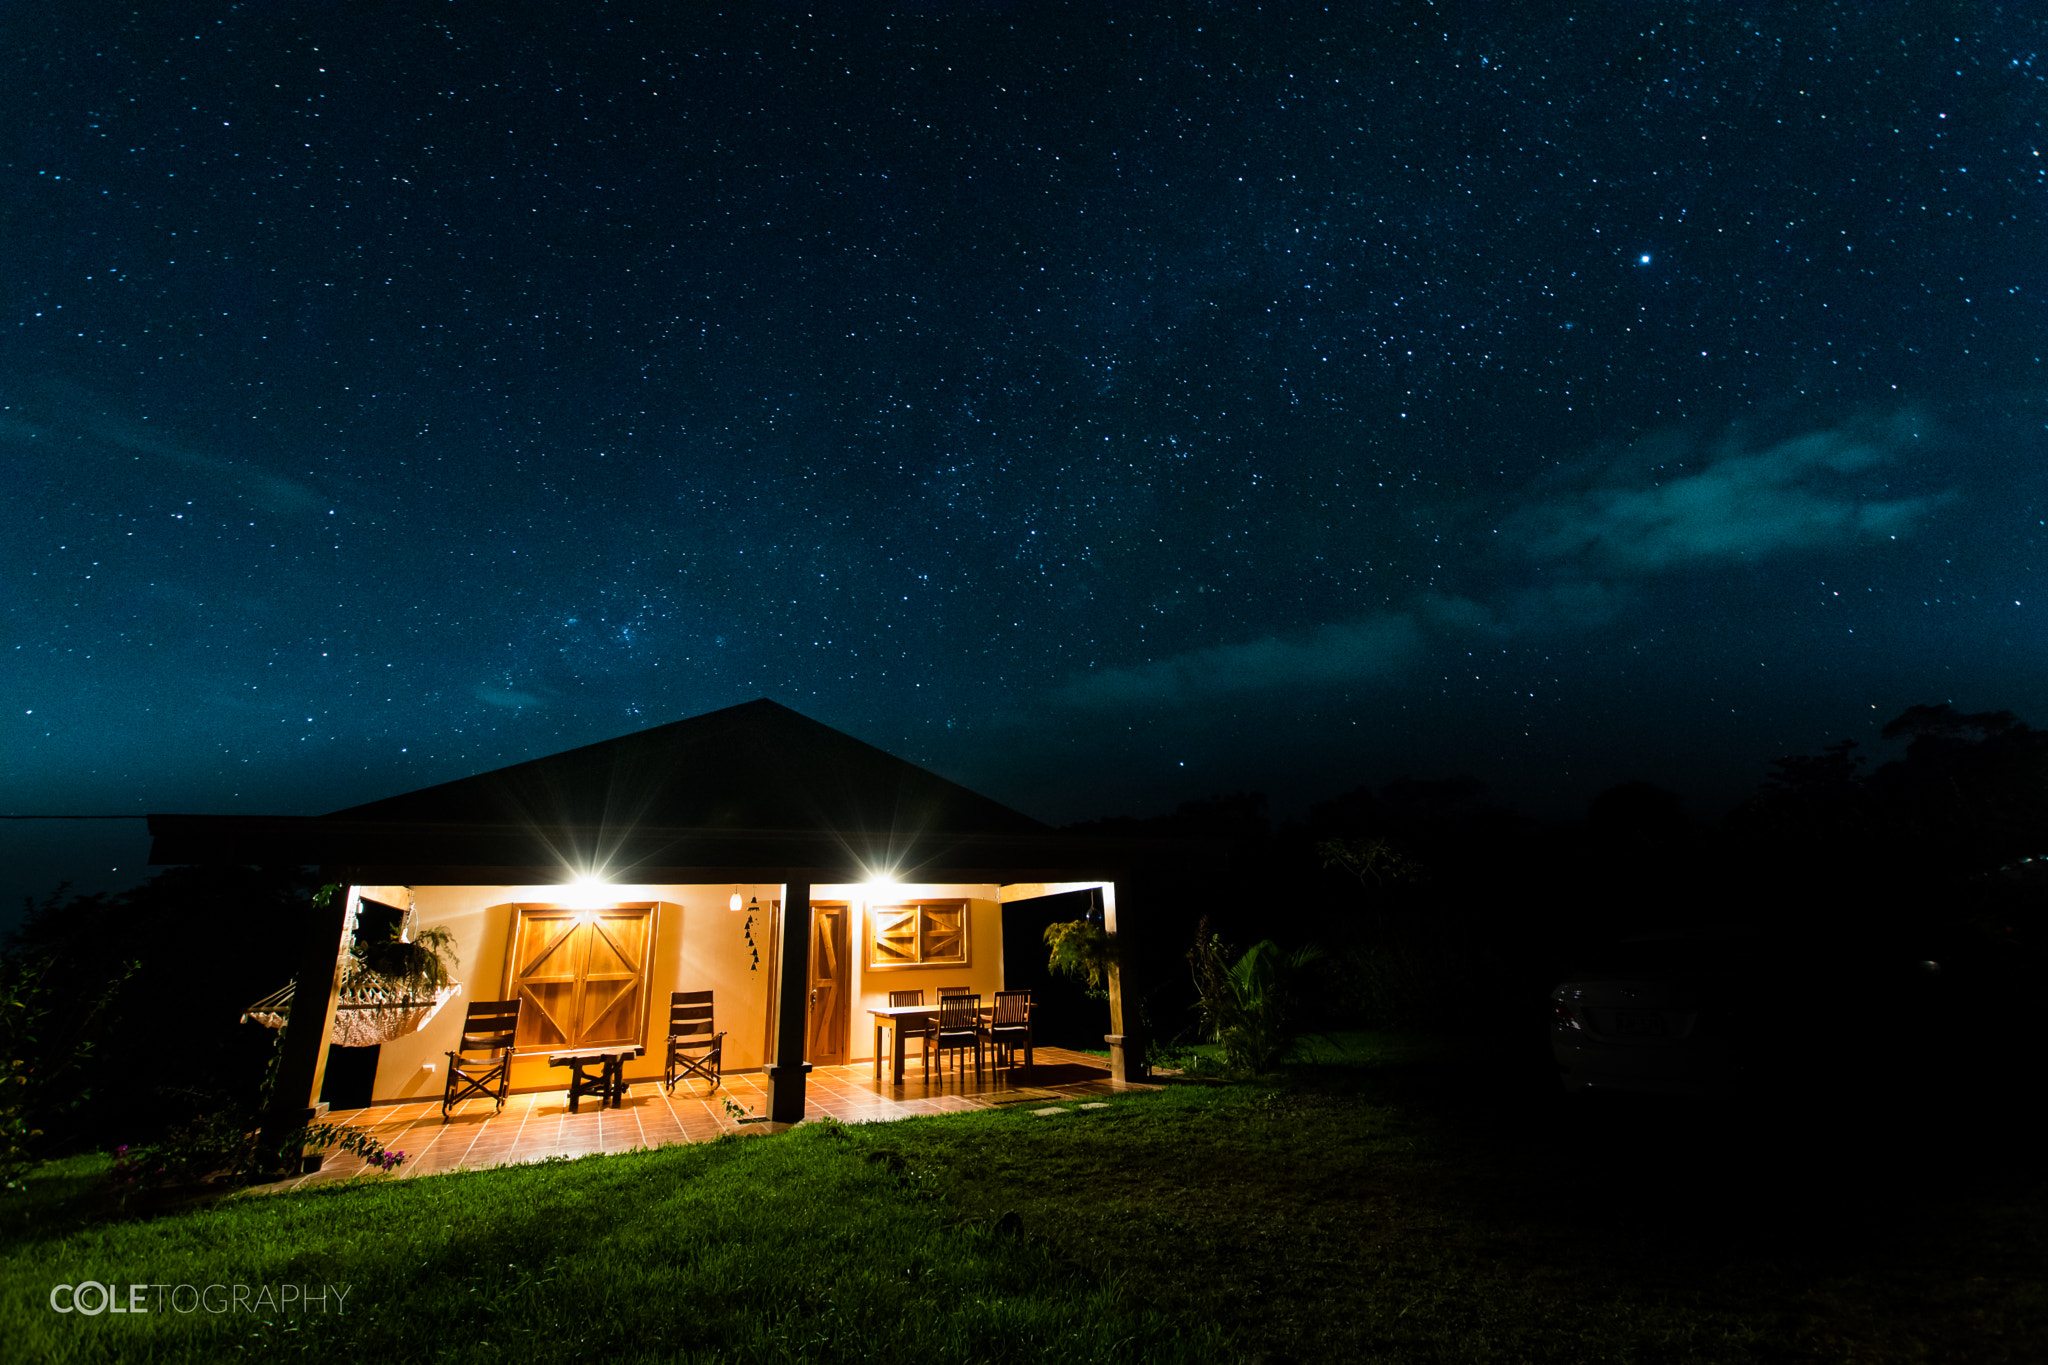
(792,1007)
(302,1057)
(1125,1037)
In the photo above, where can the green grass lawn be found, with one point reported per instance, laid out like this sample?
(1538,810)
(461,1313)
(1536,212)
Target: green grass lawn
(1401,1201)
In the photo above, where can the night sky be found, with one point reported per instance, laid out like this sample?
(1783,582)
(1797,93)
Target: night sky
(1105,405)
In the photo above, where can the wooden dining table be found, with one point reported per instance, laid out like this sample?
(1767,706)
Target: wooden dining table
(899,1020)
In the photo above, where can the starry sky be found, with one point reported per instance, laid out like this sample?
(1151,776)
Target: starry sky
(1103,404)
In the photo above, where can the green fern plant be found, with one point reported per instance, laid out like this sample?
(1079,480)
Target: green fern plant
(1084,951)
(1253,1007)
(399,970)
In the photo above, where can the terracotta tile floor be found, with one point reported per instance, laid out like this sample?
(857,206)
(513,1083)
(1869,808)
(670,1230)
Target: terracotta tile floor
(538,1125)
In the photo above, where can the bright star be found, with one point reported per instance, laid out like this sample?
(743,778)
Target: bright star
(1643,259)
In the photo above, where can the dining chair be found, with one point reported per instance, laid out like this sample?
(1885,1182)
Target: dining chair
(696,1047)
(1009,1027)
(923,1031)
(959,1028)
(489,1028)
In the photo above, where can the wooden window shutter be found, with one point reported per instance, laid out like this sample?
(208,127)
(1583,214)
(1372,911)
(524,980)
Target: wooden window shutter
(945,935)
(920,934)
(895,935)
(582,976)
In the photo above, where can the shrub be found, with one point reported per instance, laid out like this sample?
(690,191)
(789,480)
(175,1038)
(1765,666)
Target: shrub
(228,1149)
(45,1058)
(1255,1007)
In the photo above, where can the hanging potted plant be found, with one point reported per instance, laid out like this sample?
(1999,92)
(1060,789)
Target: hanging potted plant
(388,989)
(393,988)
(1085,951)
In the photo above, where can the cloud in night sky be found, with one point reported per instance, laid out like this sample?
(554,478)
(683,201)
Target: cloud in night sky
(241,480)
(1367,650)
(249,483)
(509,697)
(1813,491)
(1663,508)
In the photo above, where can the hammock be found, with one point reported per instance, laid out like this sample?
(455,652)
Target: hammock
(360,1021)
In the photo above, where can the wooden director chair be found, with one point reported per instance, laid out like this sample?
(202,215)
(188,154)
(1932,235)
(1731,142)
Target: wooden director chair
(489,1029)
(695,1046)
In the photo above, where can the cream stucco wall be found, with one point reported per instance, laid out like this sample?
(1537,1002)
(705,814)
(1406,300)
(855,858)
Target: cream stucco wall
(698,944)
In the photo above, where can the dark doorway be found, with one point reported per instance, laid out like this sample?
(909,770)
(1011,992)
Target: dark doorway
(377,922)
(351,1076)
(1062,1015)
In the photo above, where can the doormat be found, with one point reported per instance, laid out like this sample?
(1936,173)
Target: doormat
(1024,1097)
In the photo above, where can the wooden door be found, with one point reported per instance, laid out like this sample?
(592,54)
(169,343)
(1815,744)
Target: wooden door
(831,986)
(580,976)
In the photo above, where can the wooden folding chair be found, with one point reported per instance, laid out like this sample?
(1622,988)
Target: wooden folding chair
(489,1028)
(695,1045)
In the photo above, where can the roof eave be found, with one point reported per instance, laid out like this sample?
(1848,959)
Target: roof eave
(499,854)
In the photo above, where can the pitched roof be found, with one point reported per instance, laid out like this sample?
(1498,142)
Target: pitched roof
(753,792)
(756,766)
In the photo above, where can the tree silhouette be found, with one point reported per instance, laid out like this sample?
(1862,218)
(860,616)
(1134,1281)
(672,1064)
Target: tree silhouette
(1922,837)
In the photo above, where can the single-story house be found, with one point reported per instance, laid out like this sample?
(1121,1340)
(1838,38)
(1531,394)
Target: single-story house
(592,883)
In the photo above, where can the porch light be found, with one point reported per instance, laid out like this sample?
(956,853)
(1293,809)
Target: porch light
(587,891)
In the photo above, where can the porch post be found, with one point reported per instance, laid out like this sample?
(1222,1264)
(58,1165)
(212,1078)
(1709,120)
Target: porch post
(302,1056)
(1126,1046)
(793,994)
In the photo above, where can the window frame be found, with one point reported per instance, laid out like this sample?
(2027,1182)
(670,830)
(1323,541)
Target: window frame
(644,982)
(922,906)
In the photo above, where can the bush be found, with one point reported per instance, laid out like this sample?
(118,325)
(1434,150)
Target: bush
(179,957)
(46,1055)
(227,1149)
(1255,1008)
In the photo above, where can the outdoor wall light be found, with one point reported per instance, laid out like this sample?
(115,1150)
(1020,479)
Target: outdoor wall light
(587,891)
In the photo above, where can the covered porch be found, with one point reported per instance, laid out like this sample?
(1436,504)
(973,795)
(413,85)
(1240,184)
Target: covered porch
(538,1125)
(802,879)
